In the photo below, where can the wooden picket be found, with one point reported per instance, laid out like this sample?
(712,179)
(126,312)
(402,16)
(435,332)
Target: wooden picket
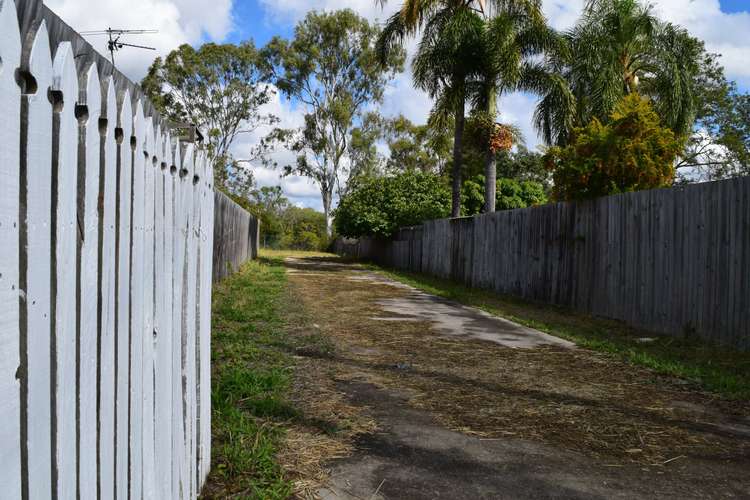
(88,189)
(36,224)
(106,250)
(65,268)
(10,334)
(106,408)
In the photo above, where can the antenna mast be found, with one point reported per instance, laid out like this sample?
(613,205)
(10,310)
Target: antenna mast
(114,44)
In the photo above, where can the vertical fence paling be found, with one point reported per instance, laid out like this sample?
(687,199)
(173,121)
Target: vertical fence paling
(10,334)
(36,221)
(106,236)
(236,236)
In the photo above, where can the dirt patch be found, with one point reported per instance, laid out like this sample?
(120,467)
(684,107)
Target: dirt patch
(574,400)
(413,456)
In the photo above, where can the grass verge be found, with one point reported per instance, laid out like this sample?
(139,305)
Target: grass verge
(714,369)
(251,381)
(277,417)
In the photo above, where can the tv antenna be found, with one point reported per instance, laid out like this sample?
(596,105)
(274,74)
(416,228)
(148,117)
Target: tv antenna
(114,44)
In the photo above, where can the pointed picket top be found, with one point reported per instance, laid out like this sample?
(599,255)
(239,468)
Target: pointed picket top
(139,127)
(167,158)
(109,100)
(91,92)
(64,77)
(148,139)
(10,37)
(10,58)
(158,150)
(175,148)
(39,62)
(125,121)
(188,161)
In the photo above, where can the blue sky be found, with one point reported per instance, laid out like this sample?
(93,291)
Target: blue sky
(734,5)
(723,24)
(250,19)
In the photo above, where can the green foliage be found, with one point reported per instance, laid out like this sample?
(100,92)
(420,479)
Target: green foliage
(632,152)
(380,206)
(218,88)
(303,229)
(620,47)
(282,225)
(417,147)
(509,194)
(514,194)
(523,165)
(331,68)
(720,146)
(364,159)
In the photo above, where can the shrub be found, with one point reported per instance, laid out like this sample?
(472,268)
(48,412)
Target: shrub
(510,194)
(381,205)
(630,153)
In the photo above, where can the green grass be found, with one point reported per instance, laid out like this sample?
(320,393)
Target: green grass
(251,382)
(721,371)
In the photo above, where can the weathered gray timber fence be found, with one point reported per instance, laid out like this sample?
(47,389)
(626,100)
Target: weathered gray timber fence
(236,236)
(106,243)
(674,261)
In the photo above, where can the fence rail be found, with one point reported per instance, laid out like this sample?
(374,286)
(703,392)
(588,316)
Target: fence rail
(674,261)
(106,250)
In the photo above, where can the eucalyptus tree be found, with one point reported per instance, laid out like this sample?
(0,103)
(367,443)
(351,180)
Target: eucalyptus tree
(330,67)
(617,48)
(448,54)
(220,89)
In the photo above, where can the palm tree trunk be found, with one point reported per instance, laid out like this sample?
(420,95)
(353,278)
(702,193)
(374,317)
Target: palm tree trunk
(490,172)
(458,158)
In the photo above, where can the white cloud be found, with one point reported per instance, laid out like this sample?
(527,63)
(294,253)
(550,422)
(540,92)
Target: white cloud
(178,21)
(723,33)
(300,190)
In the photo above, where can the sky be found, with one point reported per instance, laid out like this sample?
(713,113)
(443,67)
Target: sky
(723,24)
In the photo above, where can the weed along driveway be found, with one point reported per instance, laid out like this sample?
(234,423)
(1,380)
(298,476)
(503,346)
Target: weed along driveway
(468,405)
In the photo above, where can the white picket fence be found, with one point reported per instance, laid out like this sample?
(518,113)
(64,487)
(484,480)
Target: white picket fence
(106,235)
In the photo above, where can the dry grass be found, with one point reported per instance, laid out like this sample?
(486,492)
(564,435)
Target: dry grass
(326,425)
(574,399)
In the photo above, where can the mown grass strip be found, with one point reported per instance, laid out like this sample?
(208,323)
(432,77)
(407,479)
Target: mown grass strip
(251,382)
(714,369)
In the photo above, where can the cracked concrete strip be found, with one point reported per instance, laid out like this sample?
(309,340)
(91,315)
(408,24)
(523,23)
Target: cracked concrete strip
(456,320)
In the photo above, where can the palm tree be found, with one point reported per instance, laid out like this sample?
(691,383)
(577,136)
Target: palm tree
(514,37)
(617,48)
(448,55)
